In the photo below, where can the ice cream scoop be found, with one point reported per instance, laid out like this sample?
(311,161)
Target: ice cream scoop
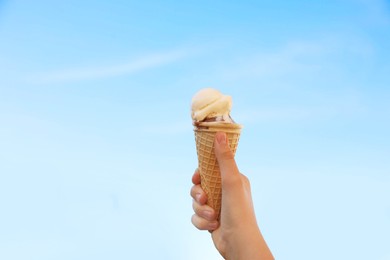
(210,105)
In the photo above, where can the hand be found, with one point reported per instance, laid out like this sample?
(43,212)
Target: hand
(237,235)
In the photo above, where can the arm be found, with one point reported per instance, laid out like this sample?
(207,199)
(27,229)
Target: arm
(237,235)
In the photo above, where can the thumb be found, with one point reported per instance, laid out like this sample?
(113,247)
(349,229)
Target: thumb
(225,158)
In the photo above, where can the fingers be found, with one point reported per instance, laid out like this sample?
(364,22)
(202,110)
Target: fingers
(196,177)
(204,224)
(205,216)
(198,194)
(204,211)
(225,158)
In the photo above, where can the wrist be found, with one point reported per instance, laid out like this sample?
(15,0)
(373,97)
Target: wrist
(243,246)
(247,244)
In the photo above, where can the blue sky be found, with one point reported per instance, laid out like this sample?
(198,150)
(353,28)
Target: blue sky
(96,145)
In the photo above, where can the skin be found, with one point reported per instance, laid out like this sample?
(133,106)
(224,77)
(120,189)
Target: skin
(236,235)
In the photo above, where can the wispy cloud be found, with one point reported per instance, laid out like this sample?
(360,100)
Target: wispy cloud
(123,68)
(298,56)
(345,106)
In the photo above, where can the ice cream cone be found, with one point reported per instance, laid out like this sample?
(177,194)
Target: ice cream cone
(207,163)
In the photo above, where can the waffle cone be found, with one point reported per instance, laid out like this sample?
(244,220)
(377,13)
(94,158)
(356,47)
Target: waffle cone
(207,163)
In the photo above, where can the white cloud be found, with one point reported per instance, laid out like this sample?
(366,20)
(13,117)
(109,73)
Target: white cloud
(299,56)
(124,68)
(281,61)
(346,105)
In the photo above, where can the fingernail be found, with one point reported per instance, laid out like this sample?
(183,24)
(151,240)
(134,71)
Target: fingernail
(198,195)
(208,214)
(221,138)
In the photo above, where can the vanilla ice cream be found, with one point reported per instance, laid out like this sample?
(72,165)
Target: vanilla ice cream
(210,105)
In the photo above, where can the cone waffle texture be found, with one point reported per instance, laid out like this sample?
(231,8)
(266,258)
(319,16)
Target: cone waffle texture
(208,166)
